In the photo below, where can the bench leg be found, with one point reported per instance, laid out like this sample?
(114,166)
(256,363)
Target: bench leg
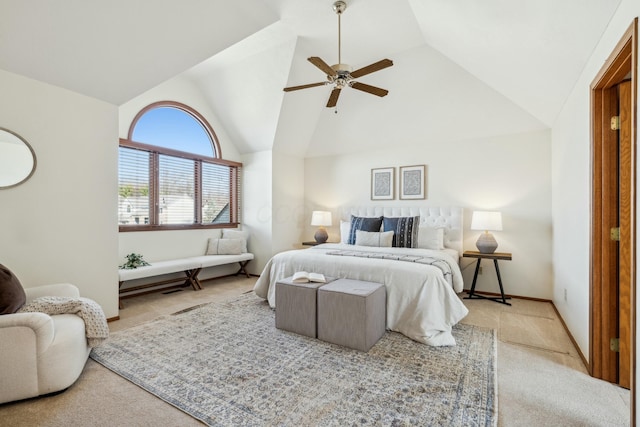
(192,279)
(119,292)
(243,264)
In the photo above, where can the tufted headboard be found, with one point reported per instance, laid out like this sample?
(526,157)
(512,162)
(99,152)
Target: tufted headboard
(449,218)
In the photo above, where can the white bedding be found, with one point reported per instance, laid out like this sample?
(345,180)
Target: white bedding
(420,302)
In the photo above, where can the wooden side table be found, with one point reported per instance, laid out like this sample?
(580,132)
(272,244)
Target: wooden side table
(314,243)
(495,257)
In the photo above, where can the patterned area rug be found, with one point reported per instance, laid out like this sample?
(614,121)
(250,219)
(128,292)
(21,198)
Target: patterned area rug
(227,364)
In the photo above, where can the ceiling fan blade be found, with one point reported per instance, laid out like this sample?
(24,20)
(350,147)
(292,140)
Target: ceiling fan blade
(322,65)
(289,89)
(333,98)
(369,89)
(376,66)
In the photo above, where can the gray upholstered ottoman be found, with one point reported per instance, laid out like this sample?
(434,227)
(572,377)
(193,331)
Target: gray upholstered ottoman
(352,313)
(296,306)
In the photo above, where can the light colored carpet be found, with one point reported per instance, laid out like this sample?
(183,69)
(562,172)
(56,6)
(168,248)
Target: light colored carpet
(226,364)
(535,331)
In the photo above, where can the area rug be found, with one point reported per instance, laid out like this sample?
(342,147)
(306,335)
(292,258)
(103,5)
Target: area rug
(226,364)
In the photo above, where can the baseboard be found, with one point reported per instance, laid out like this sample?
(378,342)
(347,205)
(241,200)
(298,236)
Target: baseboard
(575,344)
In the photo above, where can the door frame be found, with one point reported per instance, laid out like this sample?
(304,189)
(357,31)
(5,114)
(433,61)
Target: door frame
(603,319)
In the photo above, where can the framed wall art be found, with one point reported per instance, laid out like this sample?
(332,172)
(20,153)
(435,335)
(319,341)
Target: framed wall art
(412,182)
(382,184)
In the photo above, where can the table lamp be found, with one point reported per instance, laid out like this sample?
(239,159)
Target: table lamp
(321,219)
(486,221)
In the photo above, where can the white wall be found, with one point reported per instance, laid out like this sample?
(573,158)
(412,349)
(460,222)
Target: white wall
(508,173)
(257,203)
(273,204)
(288,201)
(61,225)
(571,178)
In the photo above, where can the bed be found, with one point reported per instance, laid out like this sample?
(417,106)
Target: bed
(422,283)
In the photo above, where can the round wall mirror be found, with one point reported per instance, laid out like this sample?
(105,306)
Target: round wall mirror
(17,159)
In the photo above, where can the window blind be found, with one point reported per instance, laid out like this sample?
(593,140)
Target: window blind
(176,190)
(160,189)
(133,186)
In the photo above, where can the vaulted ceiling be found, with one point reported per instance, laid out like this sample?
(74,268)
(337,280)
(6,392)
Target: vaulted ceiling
(462,68)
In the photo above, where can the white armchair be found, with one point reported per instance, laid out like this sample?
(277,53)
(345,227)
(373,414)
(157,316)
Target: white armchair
(41,354)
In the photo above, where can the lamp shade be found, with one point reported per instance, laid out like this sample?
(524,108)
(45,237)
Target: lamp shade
(321,218)
(486,221)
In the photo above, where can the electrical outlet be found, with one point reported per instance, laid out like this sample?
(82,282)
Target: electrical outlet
(565,294)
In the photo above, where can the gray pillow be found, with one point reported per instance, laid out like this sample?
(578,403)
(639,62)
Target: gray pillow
(364,224)
(12,295)
(405,230)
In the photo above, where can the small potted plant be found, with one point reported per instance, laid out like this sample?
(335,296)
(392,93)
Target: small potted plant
(134,261)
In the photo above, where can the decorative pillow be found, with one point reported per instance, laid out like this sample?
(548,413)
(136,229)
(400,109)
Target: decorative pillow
(345,228)
(431,238)
(225,246)
(214,233)
(12,295)
(405,230)
(237,234)
(364,224)
(372,238)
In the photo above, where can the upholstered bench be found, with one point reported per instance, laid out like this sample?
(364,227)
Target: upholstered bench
(296,306)
(216,260)
(190,266)
(351,313)
(158,268)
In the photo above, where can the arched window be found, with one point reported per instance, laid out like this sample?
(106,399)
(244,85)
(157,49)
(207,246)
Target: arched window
(171,174)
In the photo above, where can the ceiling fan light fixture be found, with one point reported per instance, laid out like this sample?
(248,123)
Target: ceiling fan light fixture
(342,68)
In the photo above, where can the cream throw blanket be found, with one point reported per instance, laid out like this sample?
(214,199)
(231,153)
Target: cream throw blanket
(95,322)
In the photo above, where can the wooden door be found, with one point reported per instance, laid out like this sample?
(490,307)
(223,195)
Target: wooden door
(604,250)
(612,298)
(625,248)
(613,198)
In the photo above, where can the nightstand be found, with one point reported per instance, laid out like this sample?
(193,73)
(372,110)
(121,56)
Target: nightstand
(505,256)
(313,243)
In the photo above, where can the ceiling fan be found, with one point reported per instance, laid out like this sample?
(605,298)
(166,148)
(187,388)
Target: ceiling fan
(341,75)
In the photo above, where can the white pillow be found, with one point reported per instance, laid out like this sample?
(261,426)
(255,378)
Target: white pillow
(225,246)
(345,228)
(430,238)
(237,234)
(372,238)
(214,233)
